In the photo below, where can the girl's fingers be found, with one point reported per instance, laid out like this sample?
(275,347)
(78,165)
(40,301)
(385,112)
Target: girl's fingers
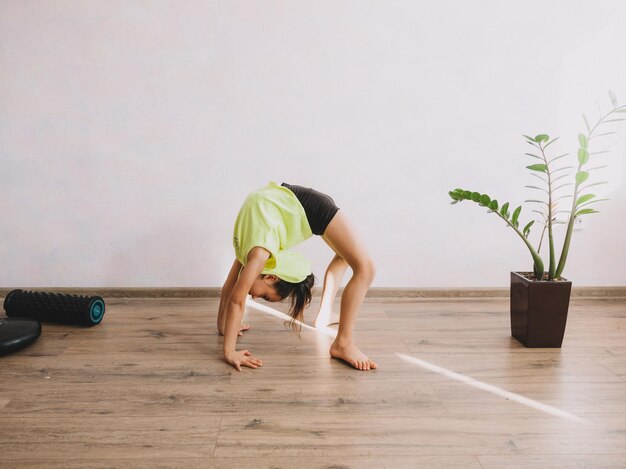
(247,360)
(253,362)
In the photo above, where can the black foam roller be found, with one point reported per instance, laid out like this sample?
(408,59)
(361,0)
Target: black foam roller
(55,307)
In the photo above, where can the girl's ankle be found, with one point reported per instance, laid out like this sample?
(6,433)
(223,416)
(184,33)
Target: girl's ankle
(342,341)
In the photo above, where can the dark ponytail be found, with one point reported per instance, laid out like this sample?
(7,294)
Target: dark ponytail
(300,294)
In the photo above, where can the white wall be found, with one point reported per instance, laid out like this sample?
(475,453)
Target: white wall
(131,131)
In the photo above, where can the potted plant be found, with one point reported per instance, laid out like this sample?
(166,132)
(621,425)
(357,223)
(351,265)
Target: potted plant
(540,299)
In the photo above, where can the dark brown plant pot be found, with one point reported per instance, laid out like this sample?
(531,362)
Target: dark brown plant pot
(539,310)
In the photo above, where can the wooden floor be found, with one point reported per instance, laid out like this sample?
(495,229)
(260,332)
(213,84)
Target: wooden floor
(147,388)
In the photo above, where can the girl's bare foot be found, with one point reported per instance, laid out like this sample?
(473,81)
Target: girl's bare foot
(350,353)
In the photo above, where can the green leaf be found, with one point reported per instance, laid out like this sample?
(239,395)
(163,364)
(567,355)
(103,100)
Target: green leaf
(592,202)
(542,168)
(543,214)
(526,230)
(561,186)
(485,200)
(581,176)
(467,195)
(475,196)
(504,209)
(613,98)
(585,211)
(530,139)
(583,156)
(564,168)
(582,139)
(539,177)
(455,196)
(584,198)
(594,184)
(559,178)
(542,138)
(558,157)
(516,215)
(550,142)
(493,205)
(534,156)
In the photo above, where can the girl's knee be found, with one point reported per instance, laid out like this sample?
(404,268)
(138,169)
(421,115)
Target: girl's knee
(366,270)
(372,270)
(338,258)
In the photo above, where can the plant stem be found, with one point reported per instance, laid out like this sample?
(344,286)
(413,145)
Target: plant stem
(552,267)
(538,262)
(543,232)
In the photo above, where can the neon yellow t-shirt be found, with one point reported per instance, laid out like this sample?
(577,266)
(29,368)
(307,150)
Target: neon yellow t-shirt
(274,219)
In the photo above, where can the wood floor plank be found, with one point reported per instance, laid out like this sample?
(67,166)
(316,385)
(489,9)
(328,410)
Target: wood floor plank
(566,461)
(584,398)
(319,462)
(512,367)
(614,363)
(115,368)
(106,437)
(264,435)
(186,399)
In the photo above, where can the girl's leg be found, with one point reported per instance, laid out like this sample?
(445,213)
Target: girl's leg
(334,273)
(342,239)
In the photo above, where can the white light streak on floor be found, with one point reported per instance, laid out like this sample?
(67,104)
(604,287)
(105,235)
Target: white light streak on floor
(489,388)
(434,368)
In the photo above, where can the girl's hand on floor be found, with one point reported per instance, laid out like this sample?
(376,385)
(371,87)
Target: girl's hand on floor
(243,358)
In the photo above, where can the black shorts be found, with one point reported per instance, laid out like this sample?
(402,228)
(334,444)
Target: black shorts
(319,208)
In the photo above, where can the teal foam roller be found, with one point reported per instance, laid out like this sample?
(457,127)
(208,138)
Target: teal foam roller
(55,307)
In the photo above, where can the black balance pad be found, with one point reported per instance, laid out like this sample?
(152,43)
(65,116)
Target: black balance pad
(17,333)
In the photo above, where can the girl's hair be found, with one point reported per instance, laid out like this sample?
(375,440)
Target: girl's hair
(300,294)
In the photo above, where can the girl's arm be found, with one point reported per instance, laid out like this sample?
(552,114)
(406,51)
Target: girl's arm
(235,307)
(225,295)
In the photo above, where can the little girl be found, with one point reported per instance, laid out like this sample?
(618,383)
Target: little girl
(271,221)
